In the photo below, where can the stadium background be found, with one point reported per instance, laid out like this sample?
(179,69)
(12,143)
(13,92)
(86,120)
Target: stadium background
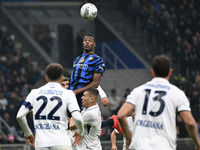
(129,33)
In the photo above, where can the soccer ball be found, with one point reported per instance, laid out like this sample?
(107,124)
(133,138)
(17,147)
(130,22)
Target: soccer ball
(88,11)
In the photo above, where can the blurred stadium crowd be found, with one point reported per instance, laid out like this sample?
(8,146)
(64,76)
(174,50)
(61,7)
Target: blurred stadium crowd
(172,26)
(17,76)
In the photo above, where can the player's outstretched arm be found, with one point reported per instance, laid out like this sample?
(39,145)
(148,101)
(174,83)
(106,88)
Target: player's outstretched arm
(103,96)
(113,140)
(191,127)
(105,101)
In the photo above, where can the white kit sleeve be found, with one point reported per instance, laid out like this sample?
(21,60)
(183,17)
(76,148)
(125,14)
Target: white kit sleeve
(102,94)
(21,118)
(78,121)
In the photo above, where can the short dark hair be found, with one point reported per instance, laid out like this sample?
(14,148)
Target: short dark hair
(54,71)
(89,34)
(93,91)
(161,65)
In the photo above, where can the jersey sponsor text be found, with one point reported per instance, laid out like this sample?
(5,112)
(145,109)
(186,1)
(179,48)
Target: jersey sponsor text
(150,124)
(47,126)
(52,92)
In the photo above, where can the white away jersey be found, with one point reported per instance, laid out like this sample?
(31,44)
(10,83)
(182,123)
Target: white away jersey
(92,128)
(50,103)
(156,103)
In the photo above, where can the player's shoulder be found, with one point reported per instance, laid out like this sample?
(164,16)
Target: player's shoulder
(67,95)
(97,57)
(92,110)
(67,91)
(176,89)
(140,87)
(36,89)
(33,91)
(77,57)
(137,90)
(174,86)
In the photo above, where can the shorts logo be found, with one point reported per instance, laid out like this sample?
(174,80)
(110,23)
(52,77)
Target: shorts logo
(90,58)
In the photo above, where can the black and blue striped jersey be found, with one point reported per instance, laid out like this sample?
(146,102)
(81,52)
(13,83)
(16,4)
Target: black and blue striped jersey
(84,67)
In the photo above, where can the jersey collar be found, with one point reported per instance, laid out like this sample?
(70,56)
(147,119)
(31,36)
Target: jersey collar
(84,54)
(53,84)
(160,80)
(92,107)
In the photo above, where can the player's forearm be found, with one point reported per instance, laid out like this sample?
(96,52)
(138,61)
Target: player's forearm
(193,132)
(92,84)
(21,118)
(78,121)
(72,124)
(125,111)
(124,125)
(113,138)
(191,126)
(102,94)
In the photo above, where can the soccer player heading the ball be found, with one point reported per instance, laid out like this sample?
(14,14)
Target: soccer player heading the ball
(87,69)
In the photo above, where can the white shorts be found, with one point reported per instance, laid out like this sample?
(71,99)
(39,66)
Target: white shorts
(71,134)
(54,148)
(81,147)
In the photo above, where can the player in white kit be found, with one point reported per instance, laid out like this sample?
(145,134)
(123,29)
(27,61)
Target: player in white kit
(92,121)
(102,96)
(49,104)
(155,104)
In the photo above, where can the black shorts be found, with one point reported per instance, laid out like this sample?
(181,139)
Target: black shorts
(78,97)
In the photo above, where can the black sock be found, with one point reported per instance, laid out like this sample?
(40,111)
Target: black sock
(106,123)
